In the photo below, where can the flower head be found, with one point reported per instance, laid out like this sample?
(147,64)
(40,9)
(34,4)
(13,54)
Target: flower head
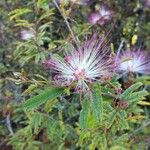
(94,17)
(147,3)
(101,16)
(134,61)
(26,34)
(84,65)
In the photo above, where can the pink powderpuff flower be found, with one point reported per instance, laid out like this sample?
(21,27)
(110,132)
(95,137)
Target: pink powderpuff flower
(147,3)
(83,65)
(101,16)
(133,61)
(94,17)
(27,34)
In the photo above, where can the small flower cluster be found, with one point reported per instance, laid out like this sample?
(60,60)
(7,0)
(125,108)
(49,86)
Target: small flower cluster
(147,3)
(92,61)
(27,34)
(101,16)
(134,61)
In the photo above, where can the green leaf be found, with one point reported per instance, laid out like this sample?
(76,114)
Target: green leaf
(111,118)
(93,144)
(49,105)
(29,89)
(136,96)
(130,90)
(47,14)
(18,12)
(36,122)
(84,135)
(123,122)
(54,131)
(46,95)
(117,148)
(144,79)
(97,103)
(42,4)
(83,119)
(37,58)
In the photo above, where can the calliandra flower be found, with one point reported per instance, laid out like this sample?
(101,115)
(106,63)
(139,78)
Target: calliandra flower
(101,16)
(26,34)
(147,3)
(94,17)
(86,64)
(134,61)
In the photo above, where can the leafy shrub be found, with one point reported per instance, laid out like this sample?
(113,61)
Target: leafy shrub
(36,113)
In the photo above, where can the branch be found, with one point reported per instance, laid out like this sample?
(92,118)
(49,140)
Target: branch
(8,124)
(140,128)
(119,50)
(66,21)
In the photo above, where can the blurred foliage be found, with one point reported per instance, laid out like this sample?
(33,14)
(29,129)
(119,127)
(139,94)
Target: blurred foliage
(36,115)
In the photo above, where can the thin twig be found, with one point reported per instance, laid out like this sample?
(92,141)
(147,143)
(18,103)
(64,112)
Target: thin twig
(118,51)
(8,124)
(140,128)
(1,144)
(67,23)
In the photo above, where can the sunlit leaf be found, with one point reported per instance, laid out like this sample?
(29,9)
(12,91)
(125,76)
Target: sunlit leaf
(97,103)
(46,95)
(83,120)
